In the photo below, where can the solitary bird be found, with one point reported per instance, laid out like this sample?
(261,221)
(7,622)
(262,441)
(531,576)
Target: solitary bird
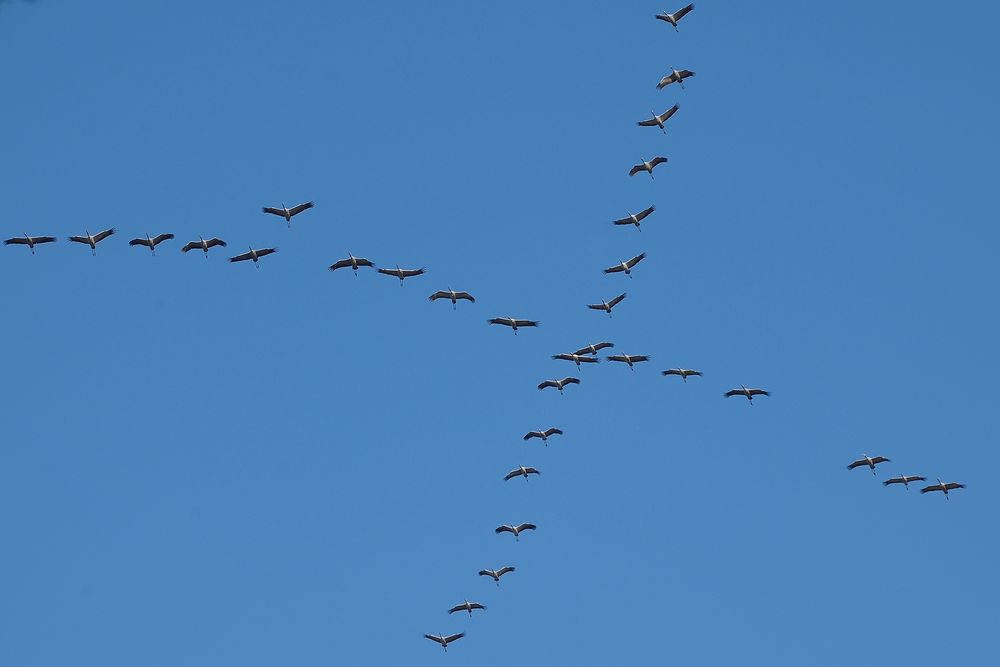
(904,480)
(558,384)
(683,372)
(351,261)
(675,76)
(93,239)
(521,471)
(401,273)
(466,606)
(626,267)
(543,435)
(513,323)
(672,19)
(870,461)
(635,218)
(594,348)
(203,245)
(576,358)
(606,306)
(749,393)
(658,121)
(287,213)
(452,296)
(496,574)
(445,640)
(629,359)
(941,486)
(647,166)
(517,530)
(255,255)
(30,241)
(151,243)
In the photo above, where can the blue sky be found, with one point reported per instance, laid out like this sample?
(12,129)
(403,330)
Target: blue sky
(207,464)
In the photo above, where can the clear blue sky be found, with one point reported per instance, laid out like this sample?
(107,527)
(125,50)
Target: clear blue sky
(207,464)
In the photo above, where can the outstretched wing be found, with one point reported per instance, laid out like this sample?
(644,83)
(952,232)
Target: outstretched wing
(526,526)
(734,392)
(503,529)
(409,273)
(19,240)
(855,464)
(635,260)
(672,371)
(340,264)
(665,116)
(547,383)
(504,570)
(160,238)
(500,320)
(618,299)
(301,207)
(685,73)
(214,241)
(241,258)
(954,485)
(436,638)
(659,159)
(879,459)
(894,480)
(641,215)
(450,638)
(440,294)
(617,357)
(139,242)
(932,487)
(266,251)
(682,12)
(273,211)
(553,431)
(761,392)
(80,239)
(390,272)
(636,169)
(639,357)
(648,123)
(466,296)
(526,323)
(570,380)
(509,476)
(100,236)
(666,81)
(190,246)
(614,269)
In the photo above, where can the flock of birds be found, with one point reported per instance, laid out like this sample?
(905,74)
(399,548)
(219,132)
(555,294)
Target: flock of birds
(584,355)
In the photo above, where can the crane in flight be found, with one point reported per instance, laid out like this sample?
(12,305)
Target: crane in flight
(543,435)
(749,393)
(634,218)
(647,166)
(452,296)
(203,245)
(521,471)
(30,241)
(675,76)
(576,358)
(515,530)
(658,121)
(904,480)
(444,640)
(626,267)
(513,323)
(288,213)
(606,306)
(151,243)
(672,19)
(870,461)
(683,372)
(255,255)
(93,239)
(352,262)
(496,574)
(402,273)
(941,486)
(558,384)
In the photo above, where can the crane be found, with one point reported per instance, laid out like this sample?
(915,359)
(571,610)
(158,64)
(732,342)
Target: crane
(286,212)
(593,348)
(30,241)
(93,239)
(870,461)
(496,574)
(576,358)
(513,323)
(749,393)
(255,255)
(466,606)
(672,19)
(558,384)
(452,296)
(521,471)
(445,640)
(629,359)
(941,486)
(675,76)
(683,372)
(904,480)
(516,530)
(626,267)
(647,166)
(402,273)
(351,261)
(606,306)
(542,435)
(151,243)
(635,218)
(658,121)
(203,245)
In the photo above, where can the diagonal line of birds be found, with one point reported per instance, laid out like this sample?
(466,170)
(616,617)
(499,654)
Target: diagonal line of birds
(586,355)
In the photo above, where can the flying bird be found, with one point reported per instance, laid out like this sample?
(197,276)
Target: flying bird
(904,480)
(593,348)
(151,243)
(496,574)
(629,359)
(351,261)
(287,213)
(516,530)
(445,640)
(675,76)
(520,471)
(93,239)
(30,241)
(606,306)
(749,393)
(941,486)
(647,166)
(672,19)
(203,245)
(466,606)
(452,296)
(635,218)
(870,461)
(402,273)
(658,121)
(683,372)
(576,358)
(254,255)
(626,267)
(542,435)
(558,384)
(513,323)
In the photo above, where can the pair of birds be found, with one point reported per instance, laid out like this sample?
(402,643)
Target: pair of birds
(355,263)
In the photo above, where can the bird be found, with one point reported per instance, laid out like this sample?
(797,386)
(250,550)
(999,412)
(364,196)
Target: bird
(402,273)
(287,213)
(516,530)
(634,218)
(749,393)
(576,358)
(593,348)
(452,296)
(496,574)
(513,322)
(904,480)
(941,486)
(445,640)
(658,121)
(93,240)
(543,435)
(466,606)
(558,384)
(521,471)
(254,255)
(675,76)
(606,306)
(629,359)
(683,372)
(351,261)
(870,461)
(626,266)
(672,19)
(151,243)
(647,166)
(203,245)
(30,241)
